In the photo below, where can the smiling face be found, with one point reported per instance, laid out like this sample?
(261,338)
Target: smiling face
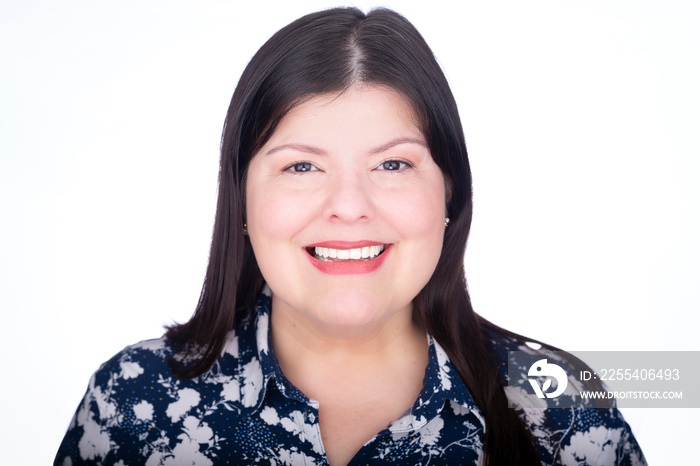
(346,210)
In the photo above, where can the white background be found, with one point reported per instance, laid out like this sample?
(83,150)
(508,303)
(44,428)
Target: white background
(581,119)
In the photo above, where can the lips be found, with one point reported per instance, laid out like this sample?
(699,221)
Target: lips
(343,257)
(338,255)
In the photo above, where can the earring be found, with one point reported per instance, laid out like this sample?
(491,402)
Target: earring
(245,229)
(447,222)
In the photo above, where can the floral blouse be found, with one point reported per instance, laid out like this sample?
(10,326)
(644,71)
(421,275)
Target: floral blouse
(244,411)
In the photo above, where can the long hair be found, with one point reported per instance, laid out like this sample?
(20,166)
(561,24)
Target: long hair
(328,52)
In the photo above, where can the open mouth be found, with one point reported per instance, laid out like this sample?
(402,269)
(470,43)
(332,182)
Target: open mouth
(363,254)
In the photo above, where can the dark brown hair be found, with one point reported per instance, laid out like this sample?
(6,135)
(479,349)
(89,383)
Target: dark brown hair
(327,52)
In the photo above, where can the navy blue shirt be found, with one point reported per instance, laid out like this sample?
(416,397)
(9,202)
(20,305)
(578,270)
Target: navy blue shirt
(245,411)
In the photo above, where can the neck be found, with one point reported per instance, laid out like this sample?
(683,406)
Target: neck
(308,350)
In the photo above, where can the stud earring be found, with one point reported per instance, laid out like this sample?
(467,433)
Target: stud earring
(447,221)
(245,229)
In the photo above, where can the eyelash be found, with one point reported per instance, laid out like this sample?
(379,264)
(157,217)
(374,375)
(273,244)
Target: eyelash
(402,164)
(396,161)
(293,167)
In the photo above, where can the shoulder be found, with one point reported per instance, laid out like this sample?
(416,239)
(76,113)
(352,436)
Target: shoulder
(537,375)
(137,359)
(128,378)
(142,371)
(542,384)
(135,407)
(540,376)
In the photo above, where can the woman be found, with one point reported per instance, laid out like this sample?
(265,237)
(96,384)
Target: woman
(334,324)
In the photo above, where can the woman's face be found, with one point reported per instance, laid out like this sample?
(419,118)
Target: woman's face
(346,209)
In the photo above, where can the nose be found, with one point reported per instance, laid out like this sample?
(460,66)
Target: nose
(349,198)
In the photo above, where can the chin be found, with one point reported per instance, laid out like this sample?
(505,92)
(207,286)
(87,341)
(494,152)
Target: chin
(354,312)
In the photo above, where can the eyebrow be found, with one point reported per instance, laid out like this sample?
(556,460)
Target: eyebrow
(298,148)
(377,150)
(397,142)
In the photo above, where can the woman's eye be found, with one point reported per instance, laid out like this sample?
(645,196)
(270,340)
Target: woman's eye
(393,165)
(300,167)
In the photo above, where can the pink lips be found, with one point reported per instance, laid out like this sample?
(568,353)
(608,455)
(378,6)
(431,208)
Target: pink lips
(348,267)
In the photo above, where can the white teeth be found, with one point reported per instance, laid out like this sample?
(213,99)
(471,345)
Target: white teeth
(367,252)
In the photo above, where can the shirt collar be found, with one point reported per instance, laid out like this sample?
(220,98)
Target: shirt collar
(441,384)
(257,365)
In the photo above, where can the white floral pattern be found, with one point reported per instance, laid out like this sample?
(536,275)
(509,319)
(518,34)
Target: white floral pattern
(244,411)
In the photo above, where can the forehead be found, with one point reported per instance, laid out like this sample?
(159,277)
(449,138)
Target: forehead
(370,111)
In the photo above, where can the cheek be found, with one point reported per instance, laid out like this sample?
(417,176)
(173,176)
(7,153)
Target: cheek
(418,213)
(419,218)
(276,215)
